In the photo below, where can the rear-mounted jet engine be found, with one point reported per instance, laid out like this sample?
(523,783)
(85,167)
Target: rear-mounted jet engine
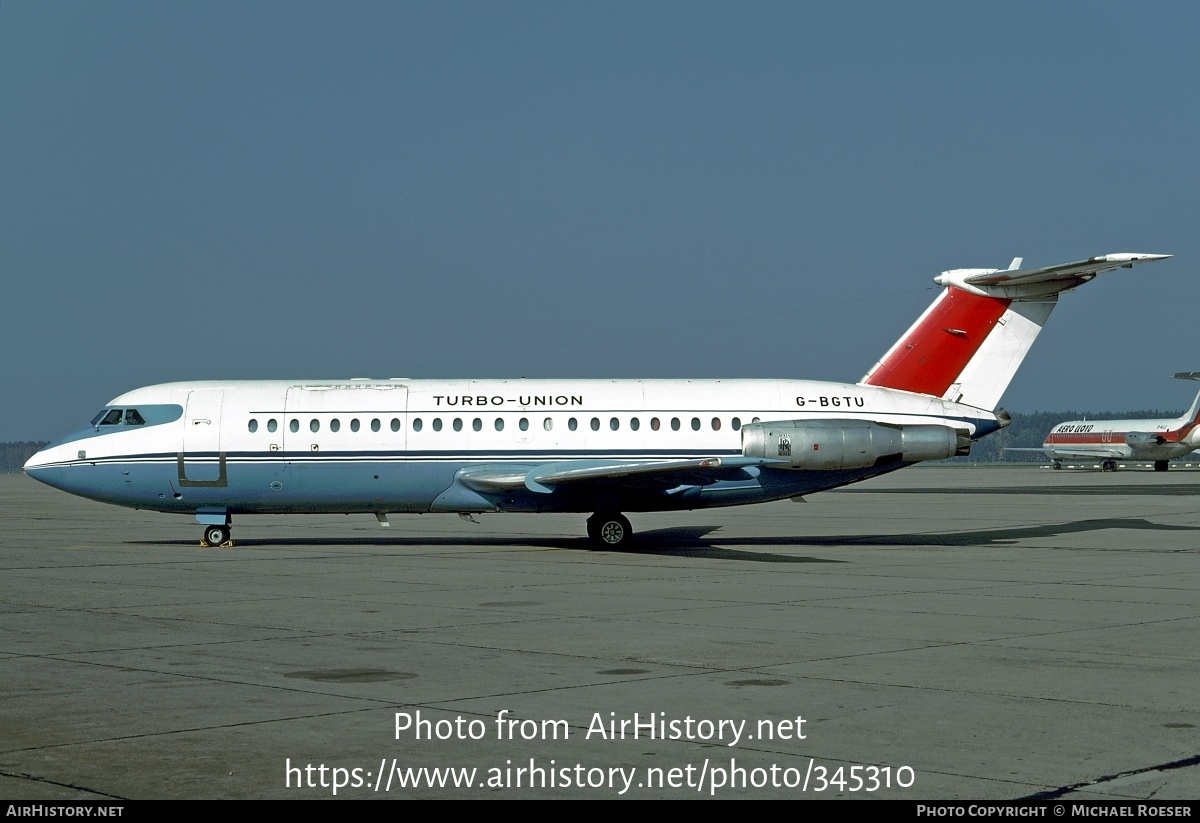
(851,444)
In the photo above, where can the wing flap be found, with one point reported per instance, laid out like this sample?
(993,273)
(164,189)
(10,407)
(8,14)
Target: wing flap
(577,471)
(545,477)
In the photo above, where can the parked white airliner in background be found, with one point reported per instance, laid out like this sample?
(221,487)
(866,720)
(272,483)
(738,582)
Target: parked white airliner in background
(219,449)
(1111,440)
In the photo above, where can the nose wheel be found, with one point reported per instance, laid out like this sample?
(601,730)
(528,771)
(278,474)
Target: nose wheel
(216,536)
(609,530)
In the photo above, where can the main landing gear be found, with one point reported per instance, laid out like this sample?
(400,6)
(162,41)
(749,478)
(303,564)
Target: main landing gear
(216,536)
(1108,466)
(609,530)
(1160,465)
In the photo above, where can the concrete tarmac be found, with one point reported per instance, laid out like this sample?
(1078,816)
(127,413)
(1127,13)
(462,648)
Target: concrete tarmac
(939,633)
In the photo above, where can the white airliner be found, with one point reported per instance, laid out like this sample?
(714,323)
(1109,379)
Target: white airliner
(1112,440)
(219,449)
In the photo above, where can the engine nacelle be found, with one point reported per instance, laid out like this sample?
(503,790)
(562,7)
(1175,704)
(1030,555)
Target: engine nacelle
(851,444)
(1143,440)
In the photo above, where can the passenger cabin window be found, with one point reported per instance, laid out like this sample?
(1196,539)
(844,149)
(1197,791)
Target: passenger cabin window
(736,423)
(294,426)
(614,424)
(716,424)
(499,424)
(674,424)
(354,424)
(395,424)
(477,424)
(654,424)
(595,424)
(458,424)
(572,424)
(314,425)
(437,424)
(272,425)
(548,424)
(634,423)
(695,424)
(524,424)
(253,426)
(335,424)
(416,424)
(375,425)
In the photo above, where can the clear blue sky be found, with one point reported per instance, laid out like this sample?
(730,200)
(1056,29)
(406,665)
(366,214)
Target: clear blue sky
(312,190)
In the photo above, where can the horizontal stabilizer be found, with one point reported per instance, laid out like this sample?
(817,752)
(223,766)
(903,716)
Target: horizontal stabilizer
(1041,281)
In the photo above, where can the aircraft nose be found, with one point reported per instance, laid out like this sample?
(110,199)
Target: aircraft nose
(40,467)
(36,462)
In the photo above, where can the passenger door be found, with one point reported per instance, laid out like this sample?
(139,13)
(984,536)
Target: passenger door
(201,461)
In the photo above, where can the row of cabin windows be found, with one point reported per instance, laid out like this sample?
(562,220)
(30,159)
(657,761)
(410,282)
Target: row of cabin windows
(418,424)
(314,425)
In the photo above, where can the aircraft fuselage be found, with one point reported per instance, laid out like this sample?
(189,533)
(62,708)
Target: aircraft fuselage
(401,445)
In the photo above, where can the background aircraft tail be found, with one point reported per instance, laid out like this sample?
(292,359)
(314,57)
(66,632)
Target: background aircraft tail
(967,345)
(1189,425)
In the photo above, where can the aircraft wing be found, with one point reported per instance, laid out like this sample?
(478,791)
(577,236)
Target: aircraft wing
(1089,454)
(1081,270)
(546,477)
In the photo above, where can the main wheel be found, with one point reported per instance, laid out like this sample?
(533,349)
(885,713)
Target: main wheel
(216,535)
(1160,465)
(1108,465)
(1058,464)
(609,529)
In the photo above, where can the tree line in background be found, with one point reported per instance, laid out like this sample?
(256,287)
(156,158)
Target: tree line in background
(1026,432)
(14,455)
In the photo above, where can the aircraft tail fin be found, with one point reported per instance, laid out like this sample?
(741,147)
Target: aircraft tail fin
(1192,415)
(968,344)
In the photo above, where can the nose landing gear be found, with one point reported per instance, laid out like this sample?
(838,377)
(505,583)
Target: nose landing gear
(216,536)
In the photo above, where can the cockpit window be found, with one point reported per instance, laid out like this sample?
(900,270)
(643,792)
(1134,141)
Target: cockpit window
(114,421)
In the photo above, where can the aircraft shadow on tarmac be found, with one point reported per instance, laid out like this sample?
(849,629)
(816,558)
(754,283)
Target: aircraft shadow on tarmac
(978,537)
(685,541)
(707,542)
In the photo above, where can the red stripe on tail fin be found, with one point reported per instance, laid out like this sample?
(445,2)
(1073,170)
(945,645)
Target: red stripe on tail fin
(934,352)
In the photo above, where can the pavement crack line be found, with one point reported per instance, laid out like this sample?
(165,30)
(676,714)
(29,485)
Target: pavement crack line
(34,778)
(1053,794)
